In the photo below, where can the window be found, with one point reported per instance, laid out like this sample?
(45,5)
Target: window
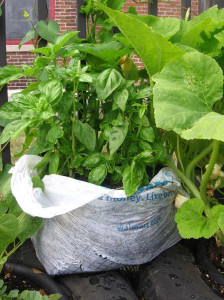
(16,24)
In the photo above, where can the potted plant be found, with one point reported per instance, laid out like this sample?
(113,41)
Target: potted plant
(184,62)
(86,118)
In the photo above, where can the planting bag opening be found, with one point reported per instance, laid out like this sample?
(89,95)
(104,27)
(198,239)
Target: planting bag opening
(88,228)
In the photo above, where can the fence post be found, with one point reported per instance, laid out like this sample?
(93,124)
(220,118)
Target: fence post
(81,20)
(153,7)
(185,4)
(6,158)
(42,15)
(220,3)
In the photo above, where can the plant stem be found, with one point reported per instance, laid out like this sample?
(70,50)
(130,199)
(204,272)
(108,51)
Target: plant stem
(196,159)
(185,179)
(206,177)
(178,154)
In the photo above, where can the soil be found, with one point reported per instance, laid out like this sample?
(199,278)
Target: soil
(15,282)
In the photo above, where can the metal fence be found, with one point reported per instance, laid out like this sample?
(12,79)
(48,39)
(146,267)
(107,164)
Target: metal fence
(152,9)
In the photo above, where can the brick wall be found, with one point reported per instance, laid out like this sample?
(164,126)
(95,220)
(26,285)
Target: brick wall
(18,58)
(168,10)
(65,13)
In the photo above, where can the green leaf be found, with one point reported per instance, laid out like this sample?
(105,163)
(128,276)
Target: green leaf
(117,137)
(85,134)
(8,230)
(186,90)
(132,177)
(44,50)
(146,156)
(166,27)
(221,221)
(0,11)
(132,10)
(63,39)
(28,226)
(77,161)
(190,220)
(109,52)
(13,294)
(54,163)
(193,37)
(208,127)
(41,166)
(5,177)
(28,37)
(121,98)
(37,182)
(86,9)
(10,73)
(3,207)
(14,208)
(48,31)
(98,174)
(54,134)
(10,111)
(147,134)
(93,160)
(220,37)
(154,50)
(53,91)
(144,93)
(116,4)
(145,145)
(13,130)
(107,82)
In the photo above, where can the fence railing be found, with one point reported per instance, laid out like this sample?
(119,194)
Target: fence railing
(152,9)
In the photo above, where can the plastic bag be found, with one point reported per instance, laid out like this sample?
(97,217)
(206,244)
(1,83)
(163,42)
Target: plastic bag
(88,228)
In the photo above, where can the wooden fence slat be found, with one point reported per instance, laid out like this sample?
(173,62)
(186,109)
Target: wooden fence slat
(43,14)
(81,20)
(6,158)
(153,8)
(220,3)
(185,4)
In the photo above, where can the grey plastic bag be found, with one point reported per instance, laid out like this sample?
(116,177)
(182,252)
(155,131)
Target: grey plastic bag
(106,232)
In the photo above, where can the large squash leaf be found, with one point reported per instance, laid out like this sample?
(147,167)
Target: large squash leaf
(208,127)
(166,27)
(186,90)
(154,50)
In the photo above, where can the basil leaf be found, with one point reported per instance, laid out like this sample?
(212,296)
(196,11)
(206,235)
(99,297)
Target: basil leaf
(54,134)
(54,163)
(121,98)
(10,73)
(132,177)
(85,134)
(107,82)
(37,182)
(13,130)
(147,134)
(93,160)
(98,174)
(117,137)
(53,91)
